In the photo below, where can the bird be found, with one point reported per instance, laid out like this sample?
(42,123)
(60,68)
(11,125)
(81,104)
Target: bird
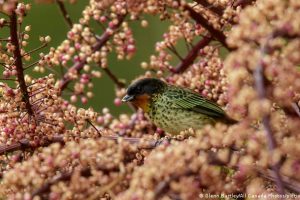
(173,108)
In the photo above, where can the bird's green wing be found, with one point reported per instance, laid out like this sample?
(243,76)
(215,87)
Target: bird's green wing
(184,98)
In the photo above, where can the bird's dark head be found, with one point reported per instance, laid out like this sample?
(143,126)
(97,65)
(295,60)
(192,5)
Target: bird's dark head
(141,91)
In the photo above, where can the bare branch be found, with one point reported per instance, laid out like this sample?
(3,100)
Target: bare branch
(18,62)
(99,44)
(261,90)
(216,34)
(64,13)
(289,184)
(25,144)
(62,177)
(192,55)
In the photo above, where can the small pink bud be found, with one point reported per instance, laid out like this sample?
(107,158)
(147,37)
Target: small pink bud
(103,19)
(6,74)
(77,46)
(204,93)
(73,98)
(100,120)
(10,92)
(14,72)
(117,102)
(84,100)
(159,131)
(111,24)
(50,161)
(70,34)
(130,48)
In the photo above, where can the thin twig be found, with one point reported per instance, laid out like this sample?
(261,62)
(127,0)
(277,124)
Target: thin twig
(5,40)
(192,55)
(90,123)
(31,65)
(174,51)
(8,79)
(113,77)
(36,49)
(64,13)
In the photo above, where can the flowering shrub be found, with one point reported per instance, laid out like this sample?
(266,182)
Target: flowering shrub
(51,149)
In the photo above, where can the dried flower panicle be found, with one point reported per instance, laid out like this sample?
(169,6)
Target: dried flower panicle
(126,157)
(175,171)
(264,81)
(86,51)
(103,164)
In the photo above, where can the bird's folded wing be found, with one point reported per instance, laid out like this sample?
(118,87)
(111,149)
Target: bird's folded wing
(190,100)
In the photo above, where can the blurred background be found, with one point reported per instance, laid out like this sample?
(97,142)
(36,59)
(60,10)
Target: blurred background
(46,19)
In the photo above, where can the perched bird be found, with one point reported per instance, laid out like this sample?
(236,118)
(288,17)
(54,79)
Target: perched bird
(173,108)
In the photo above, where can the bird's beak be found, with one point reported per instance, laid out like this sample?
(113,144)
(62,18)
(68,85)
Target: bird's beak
(127,98)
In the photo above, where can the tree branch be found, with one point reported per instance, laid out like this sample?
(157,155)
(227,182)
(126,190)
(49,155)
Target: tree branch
(289,184)
(86,172)
(261,90)
(216,34)
(18,62)
(25,144)
(99,44)
(192,55)
(64,13)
